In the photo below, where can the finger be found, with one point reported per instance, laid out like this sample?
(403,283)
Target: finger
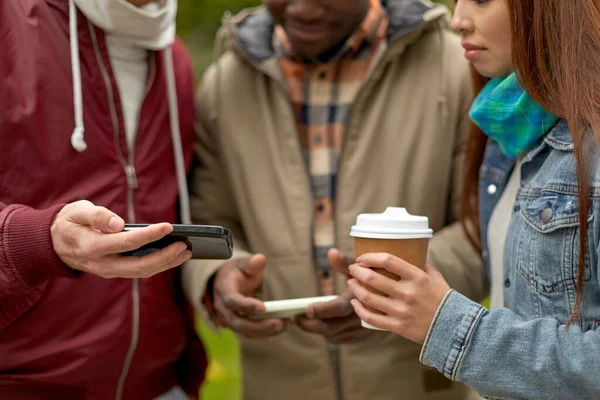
(338,262)
(311,325)
(183,257)
(240,304)
(370,299)
(373,279)
(391,263)
(247,327)
(131,240)
(87,214)
(146,266)
(339,307)
(255,266)
(380,321)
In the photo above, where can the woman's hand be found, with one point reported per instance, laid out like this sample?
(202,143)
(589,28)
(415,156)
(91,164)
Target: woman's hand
(412,302)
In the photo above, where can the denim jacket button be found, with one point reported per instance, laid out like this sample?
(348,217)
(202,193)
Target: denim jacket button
(546,215)
(492,189)
(507,282)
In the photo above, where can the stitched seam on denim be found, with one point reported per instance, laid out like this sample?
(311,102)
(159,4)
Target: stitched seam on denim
(493,174)
(433,323)
(534,221)
(559,145)
(467,339)
(548,288)
(555,224)
(457,345)
(559,188)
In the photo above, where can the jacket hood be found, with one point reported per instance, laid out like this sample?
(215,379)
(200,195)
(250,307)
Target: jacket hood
(253,28)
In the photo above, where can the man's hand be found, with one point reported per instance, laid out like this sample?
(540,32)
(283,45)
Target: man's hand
(234,289)
(336,319)
(88,238)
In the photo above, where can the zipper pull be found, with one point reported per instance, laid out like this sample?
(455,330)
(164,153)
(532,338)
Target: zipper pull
(132,181)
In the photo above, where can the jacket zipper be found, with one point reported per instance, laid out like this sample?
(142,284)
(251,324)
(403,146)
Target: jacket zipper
(132,184)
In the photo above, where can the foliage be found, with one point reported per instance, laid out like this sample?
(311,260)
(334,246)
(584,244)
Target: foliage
(205,15)
(198,21)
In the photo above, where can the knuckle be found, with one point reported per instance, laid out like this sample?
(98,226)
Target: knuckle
(422,279)
(87,249)
(408,297)
(370,276)
(402,312)
(125,242)
(228,301)
(139,271)
(368,318)
(388,259)
(98,215)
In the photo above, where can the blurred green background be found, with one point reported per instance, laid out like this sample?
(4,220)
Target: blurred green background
(197,23)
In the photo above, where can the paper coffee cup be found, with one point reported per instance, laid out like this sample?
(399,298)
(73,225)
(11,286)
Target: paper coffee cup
(396,232)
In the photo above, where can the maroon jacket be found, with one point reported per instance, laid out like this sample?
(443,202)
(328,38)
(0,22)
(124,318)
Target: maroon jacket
(63,335)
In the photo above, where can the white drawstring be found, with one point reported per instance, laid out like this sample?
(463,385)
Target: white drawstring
(184,201)
(77,137)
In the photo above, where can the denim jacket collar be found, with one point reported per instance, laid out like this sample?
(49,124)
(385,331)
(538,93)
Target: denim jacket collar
(559,137)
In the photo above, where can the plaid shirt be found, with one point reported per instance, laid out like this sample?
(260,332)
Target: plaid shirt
(322,96)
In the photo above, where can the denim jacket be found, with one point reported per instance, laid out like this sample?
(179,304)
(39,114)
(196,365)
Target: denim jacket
(524,351)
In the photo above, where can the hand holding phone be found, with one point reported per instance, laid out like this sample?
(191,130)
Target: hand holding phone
(89,238)
(234,291)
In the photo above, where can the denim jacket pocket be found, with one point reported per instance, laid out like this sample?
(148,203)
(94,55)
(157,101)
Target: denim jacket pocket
(549,242)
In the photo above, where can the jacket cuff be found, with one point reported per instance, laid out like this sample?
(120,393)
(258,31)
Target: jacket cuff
(29,248)
(208,302)
(450,333)
(196,275)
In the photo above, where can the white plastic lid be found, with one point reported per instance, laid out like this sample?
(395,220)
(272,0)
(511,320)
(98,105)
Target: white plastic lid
(394,223)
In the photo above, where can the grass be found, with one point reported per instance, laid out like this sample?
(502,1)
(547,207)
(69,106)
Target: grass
(223,379)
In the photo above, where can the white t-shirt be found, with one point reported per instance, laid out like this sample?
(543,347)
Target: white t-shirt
(130,66)
(497,230)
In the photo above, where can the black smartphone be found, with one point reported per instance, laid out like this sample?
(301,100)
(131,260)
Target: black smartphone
(207,242)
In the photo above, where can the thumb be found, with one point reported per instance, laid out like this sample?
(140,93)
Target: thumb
(99,218)
(338,262)
(255,266)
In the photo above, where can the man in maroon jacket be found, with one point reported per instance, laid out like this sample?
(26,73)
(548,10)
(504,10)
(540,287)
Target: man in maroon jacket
(96,103)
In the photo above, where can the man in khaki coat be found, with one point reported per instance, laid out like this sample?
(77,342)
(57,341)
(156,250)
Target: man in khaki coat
(319,111)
